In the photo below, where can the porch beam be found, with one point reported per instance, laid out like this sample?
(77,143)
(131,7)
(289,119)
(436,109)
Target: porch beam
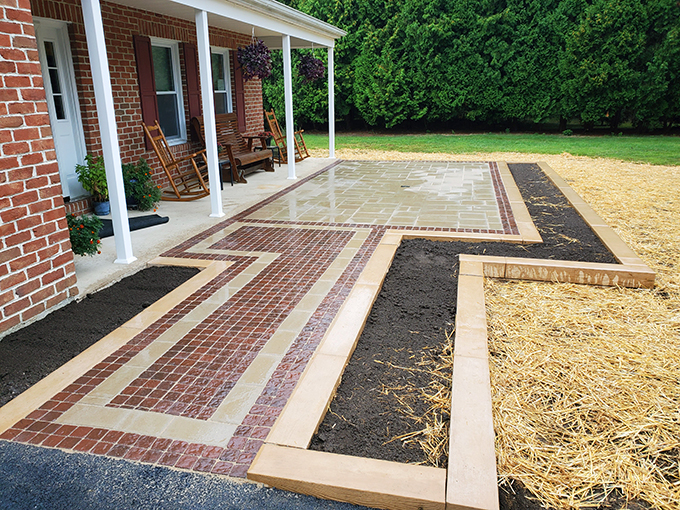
(103,94)
(288,95)
(208,103)
(275,18)
(331,105)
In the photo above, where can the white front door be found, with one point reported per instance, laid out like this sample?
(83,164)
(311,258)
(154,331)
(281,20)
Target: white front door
(62,101)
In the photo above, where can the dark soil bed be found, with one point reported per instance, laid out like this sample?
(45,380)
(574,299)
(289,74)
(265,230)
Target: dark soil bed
(410,316)
(30,354)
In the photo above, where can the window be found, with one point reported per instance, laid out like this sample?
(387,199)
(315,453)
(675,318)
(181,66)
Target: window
(169,89)
(221,77)
(55,84)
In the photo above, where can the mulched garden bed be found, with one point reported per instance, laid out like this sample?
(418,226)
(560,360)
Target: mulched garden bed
(30,354)
(408,326)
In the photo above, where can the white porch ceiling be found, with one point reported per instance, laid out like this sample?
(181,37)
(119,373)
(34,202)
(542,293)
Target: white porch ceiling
(269,18)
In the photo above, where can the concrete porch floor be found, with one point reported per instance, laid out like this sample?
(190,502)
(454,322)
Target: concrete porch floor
(186,220)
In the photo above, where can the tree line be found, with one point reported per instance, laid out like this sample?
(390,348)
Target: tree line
(420,63)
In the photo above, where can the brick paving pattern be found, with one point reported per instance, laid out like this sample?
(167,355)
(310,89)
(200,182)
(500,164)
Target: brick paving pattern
(193,377)
(190,381)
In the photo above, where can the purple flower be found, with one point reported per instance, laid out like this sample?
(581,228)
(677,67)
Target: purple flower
(311,68)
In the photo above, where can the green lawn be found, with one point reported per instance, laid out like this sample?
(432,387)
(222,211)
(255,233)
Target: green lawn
(657,150)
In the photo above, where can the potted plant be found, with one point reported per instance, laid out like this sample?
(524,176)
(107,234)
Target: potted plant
(267,136)
(84,234)
(92,176)
(141,192)
(255,60)
(310,68)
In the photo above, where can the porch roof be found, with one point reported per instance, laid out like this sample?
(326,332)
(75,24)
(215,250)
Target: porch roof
(269,19)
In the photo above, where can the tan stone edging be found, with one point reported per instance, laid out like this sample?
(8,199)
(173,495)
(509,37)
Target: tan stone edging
(471,474)
(470,481)
(370,482)
(565,271)
(31,399)
(471,478)
(527,230)
(460,236)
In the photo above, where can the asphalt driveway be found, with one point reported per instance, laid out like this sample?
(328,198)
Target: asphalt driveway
(45,478)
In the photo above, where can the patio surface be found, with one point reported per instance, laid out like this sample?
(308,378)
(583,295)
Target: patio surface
(198,379)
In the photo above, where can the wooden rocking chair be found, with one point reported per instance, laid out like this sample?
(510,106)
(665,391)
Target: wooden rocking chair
(189,184)
(280,140)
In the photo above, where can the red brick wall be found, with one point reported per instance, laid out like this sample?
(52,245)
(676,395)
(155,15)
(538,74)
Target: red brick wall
(36,262)
(79,207)
(120,24)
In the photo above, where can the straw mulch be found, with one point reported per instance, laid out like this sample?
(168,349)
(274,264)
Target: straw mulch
(586,380)
(586,392)
(641,203)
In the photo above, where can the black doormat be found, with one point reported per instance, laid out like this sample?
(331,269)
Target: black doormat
(135,223)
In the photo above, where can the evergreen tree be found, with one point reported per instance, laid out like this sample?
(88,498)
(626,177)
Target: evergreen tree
(605,62)
(406,62)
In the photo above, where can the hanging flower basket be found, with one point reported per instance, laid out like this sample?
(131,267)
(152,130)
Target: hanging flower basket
(311,68)
(255,60)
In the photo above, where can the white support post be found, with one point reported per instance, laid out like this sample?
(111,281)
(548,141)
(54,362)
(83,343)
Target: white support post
(103,94)
(208,103)
(331,105)
(288,94)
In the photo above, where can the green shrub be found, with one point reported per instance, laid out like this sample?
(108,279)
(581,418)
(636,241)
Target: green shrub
(567,132)
(92,175)
(140,186)
(84,234)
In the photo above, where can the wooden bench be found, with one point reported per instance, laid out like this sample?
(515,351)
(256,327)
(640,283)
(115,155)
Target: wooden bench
(237,150)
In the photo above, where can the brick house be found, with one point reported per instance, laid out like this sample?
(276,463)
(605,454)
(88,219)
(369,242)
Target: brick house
(75,80)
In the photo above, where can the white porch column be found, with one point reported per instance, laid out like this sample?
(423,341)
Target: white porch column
(101,79)
(288,94)
(208,103)
(331,105)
